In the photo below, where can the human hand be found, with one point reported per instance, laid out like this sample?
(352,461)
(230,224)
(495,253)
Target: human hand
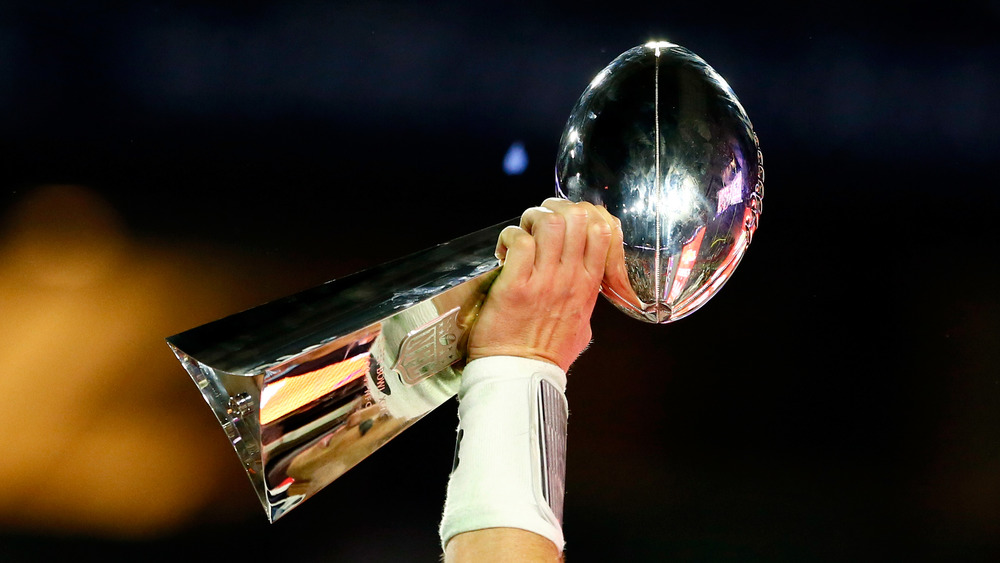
(539,307)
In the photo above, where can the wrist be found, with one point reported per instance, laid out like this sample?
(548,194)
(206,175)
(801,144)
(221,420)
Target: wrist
(510,459)
(518,353)
(510,366)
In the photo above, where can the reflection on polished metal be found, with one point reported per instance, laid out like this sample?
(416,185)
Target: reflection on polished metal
(661,141)
(307,386)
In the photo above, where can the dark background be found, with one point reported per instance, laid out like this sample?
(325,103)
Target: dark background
(839,400)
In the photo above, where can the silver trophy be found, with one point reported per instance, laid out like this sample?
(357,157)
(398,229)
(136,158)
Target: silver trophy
(307,386)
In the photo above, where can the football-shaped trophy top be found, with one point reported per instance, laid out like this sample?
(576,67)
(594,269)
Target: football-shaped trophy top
(660,139)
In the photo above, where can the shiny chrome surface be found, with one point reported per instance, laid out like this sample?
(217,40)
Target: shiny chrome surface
(660,140)
(307,386)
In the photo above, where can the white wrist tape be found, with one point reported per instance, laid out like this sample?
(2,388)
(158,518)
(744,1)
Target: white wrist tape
(510,459)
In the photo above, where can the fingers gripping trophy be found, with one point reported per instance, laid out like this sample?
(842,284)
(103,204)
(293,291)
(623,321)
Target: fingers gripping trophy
(307,386)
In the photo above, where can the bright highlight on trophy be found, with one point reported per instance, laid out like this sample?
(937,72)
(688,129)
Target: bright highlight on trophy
(307,386)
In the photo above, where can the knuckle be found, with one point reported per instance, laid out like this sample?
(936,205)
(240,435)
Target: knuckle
(578,212)
(553,221)
(601,228)
(534,211)
(509,231)
(521,241)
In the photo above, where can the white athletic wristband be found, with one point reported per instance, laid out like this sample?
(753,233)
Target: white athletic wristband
(510,459)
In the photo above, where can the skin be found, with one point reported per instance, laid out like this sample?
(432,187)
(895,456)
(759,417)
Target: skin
(539,307)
